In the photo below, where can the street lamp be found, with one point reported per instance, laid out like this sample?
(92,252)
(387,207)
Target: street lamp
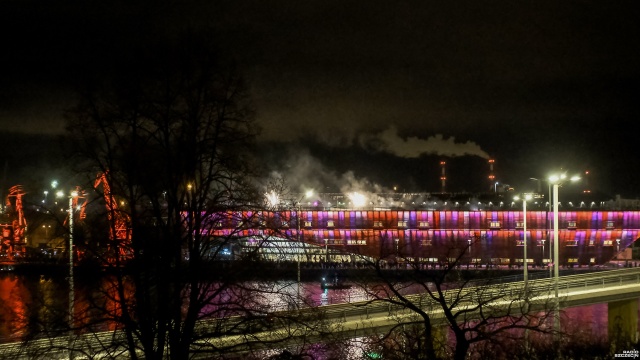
(397,261)
(326,252)
(524,237)
(557,181)
(74,194)
(308,194)
(470,253)
(547,218)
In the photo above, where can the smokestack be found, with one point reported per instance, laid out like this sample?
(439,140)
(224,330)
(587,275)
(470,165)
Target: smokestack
(492,177)
(587,187)
(443,176)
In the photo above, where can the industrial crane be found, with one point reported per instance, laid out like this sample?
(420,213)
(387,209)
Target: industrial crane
(119,229)
(13,232)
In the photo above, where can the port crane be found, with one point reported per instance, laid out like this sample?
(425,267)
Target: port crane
(119,229)
(15,226)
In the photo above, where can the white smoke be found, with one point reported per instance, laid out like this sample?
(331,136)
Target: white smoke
(303,172)
(368,192)
(413,146)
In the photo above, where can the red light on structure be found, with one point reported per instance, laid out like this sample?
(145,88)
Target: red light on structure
(491,161)
(443,162)
(491,177)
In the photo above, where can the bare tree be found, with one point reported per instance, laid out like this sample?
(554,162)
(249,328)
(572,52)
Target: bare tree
(449,298)
(172,132)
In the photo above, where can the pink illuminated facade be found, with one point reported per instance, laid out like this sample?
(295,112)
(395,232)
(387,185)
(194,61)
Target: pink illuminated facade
(585,237)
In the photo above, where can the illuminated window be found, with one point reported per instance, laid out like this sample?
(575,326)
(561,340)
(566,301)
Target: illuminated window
(573,260)
(307,223)
(423,224)
(607,243)
(330,223)
(519,242)
(592,242)
(571,243)
(285,224)
(377,224)
(356,242)
(610,225)
(571,225)
(519,224)
(402,223)
(494,224)
(426,243)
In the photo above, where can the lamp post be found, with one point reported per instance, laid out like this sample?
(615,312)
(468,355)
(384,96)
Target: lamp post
(308,194)
(470,252)
(524,238)
(74,194)
(326,252)
(547,218)
(397,261)
(298,255)
(556,271)
(557,181)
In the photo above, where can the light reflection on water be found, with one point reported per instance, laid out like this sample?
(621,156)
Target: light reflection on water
(18,292)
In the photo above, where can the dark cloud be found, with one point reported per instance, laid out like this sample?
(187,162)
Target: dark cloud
(537,85)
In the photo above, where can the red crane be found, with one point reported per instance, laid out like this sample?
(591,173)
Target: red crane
(13,232)
(119,229)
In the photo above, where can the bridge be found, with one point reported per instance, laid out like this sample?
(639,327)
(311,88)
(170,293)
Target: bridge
(619,288)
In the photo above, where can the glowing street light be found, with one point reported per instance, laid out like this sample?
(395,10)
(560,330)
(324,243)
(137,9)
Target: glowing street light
(74,194)
(524,237)
(557,181)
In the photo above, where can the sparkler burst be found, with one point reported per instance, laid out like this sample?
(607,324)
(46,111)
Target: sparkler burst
(273,198)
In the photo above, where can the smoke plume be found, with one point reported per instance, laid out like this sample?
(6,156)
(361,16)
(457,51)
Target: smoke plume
(413,146)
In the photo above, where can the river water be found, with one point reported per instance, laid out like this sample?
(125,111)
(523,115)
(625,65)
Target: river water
(32,300)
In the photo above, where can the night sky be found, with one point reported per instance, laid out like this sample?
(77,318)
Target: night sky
(371,93)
